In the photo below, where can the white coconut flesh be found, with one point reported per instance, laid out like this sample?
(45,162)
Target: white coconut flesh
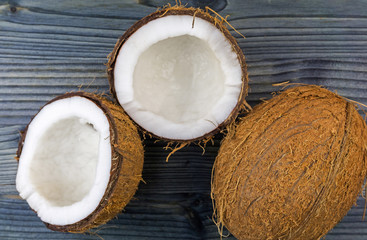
(64,167)
(176,80)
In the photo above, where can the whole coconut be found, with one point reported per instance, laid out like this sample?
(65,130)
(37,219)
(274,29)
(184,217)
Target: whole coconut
(292,168)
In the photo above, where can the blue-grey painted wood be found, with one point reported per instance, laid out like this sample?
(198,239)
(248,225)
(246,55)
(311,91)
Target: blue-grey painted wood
(50,47)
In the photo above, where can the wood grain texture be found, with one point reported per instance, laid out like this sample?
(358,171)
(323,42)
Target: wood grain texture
(51,47)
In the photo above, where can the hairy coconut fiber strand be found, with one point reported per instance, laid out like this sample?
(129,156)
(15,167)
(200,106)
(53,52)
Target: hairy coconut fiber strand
(126,165)
(292,168)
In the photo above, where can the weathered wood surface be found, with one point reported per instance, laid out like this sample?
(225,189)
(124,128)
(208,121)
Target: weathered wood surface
(50,47)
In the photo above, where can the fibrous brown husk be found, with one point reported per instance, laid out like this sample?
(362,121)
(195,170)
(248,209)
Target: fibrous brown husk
(219,23)
(126,164)
(292,168)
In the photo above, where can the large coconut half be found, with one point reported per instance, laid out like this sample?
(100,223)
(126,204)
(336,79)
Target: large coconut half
(80,162)
(292,168)
(179,74)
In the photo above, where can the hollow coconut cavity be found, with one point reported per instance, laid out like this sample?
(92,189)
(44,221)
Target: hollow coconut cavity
(179,74)
(79,155)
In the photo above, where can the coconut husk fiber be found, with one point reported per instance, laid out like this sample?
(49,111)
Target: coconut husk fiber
(292,168)
(126,165)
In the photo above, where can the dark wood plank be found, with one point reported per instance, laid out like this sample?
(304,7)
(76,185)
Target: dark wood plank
(50,47)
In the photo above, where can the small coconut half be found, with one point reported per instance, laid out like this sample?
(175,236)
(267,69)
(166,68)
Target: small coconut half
(80,162)
(179,74)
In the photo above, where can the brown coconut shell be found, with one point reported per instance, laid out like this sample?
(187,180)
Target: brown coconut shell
(196,13)
(126,164)
(292,168)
